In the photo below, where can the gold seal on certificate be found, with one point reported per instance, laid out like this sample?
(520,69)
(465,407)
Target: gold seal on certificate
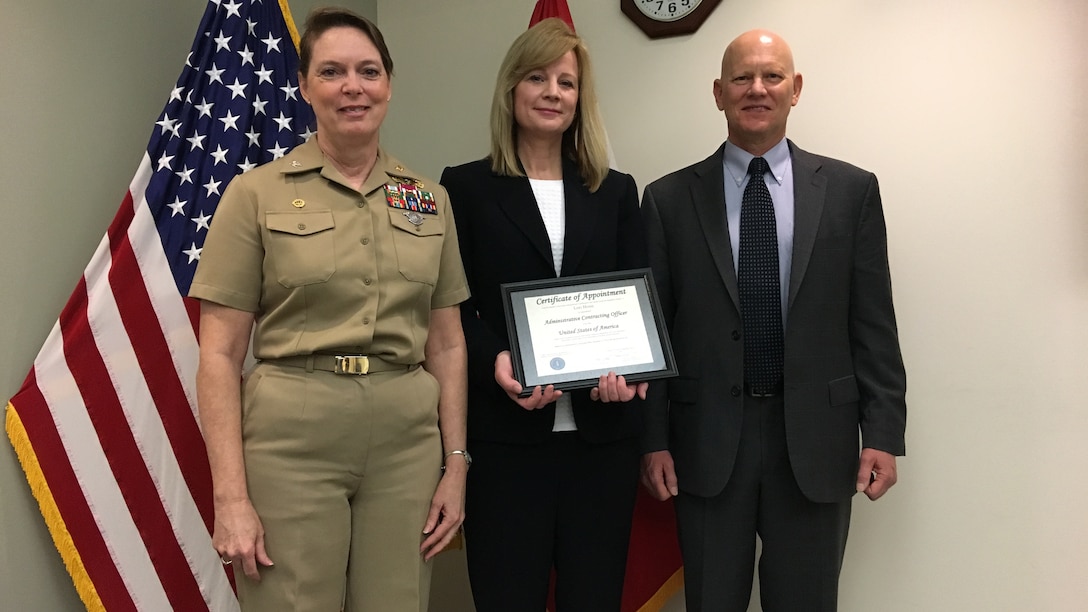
(569,331)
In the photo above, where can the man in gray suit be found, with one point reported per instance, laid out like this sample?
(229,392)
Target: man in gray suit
(777,296)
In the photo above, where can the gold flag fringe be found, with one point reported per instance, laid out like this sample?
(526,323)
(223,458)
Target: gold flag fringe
(290,22)
(665,593)
(48,506)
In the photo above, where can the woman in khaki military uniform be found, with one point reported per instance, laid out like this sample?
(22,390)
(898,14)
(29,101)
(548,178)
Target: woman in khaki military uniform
(327,461)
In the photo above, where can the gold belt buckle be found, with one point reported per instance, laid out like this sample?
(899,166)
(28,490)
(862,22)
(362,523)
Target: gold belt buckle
(352,364)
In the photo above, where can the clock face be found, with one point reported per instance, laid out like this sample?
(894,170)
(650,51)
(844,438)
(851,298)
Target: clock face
(666,10)
(663,18)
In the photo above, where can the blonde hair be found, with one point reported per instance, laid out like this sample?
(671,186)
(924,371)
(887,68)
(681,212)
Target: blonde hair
(584,140)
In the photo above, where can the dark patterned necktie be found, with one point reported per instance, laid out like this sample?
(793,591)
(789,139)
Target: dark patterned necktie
(758,282)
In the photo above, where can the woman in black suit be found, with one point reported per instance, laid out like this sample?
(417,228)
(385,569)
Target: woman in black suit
(554,478)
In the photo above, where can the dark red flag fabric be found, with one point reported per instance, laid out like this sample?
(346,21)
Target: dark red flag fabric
(654,570)
(551,8)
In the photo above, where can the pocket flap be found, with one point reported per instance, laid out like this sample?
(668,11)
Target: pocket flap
(300,223)
(843,390)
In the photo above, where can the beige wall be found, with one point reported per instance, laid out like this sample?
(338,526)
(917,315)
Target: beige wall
(971,113)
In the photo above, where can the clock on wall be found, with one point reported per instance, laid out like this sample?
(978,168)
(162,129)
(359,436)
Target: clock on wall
(663,18)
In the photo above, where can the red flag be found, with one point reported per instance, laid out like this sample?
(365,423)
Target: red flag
(654,570)
(551,8)
(105,423)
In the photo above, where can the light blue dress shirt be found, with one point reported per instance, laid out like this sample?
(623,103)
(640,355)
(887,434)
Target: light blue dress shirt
(780,184)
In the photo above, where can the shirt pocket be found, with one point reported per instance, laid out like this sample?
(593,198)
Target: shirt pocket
(419,247)
(301,247)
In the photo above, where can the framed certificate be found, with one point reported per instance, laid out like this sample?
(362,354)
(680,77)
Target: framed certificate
(569,331)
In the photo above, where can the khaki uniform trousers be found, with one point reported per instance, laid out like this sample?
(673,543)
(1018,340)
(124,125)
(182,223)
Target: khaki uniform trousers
(341,470)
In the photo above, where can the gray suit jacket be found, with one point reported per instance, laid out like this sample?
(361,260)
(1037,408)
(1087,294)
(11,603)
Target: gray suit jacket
(843,371)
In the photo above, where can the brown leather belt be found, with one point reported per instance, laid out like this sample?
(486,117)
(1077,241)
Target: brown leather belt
(354,365)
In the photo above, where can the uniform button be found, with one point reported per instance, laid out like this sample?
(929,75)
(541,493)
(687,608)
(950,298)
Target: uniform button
(418,228)
(736,335)
(366,320)
(366,281)
(361,204)
(735,391)
(366,241)
(301,226)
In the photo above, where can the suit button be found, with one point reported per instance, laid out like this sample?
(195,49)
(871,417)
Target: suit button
(736,335)
(735,391)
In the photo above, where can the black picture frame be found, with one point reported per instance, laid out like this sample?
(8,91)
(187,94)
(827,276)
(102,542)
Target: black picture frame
(579,307)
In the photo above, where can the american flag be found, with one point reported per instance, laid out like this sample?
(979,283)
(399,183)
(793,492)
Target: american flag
(105,424)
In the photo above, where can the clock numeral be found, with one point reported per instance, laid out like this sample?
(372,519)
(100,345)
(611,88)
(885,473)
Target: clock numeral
(664,18)
(666,8)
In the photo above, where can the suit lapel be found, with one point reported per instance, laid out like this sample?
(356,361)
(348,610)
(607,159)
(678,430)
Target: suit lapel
(708,197)
(519,205)
(809,190)
(581,218)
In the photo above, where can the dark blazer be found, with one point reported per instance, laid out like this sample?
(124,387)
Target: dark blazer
(503,239)
(843,372)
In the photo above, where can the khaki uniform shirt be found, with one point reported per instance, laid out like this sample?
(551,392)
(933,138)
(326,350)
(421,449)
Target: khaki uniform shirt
(327,268)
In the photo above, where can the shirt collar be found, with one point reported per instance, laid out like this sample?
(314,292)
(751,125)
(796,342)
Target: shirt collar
(304,158)
(737,159)
(308,157)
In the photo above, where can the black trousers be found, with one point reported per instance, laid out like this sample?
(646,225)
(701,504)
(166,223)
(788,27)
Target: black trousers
(564,505)
(803,542)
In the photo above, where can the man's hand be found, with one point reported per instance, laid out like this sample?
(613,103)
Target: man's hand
(658,475)
(877,473)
